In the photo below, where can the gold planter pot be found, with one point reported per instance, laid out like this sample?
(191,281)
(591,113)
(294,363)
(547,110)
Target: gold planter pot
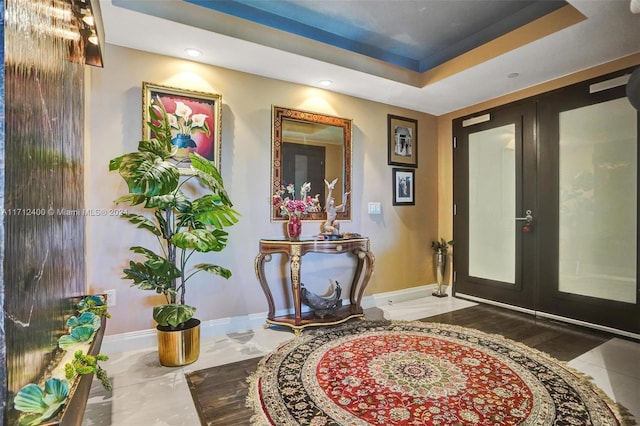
(178,347)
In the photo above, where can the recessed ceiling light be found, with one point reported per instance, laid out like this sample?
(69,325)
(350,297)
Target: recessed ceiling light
(513,75)
(325,82)
(194,53)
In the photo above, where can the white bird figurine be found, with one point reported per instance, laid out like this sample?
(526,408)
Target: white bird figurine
(331,185)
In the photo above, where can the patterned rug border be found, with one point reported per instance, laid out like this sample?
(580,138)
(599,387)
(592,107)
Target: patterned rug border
(260,418)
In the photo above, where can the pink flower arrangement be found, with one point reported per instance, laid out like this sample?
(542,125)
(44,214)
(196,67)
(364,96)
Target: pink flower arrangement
(284,200)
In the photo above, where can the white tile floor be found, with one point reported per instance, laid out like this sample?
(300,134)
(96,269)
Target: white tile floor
(147,394)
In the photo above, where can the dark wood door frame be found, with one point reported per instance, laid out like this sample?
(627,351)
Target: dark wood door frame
(608,313)
(520,294)
(541,167)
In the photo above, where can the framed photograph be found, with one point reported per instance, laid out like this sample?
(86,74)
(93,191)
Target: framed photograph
(195,119)
(404,187)
(402,141)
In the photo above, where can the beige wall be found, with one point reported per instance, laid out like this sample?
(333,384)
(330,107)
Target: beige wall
(445,151)
(400,237)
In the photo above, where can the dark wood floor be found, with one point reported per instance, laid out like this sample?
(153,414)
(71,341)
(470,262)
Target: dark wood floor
(219,393)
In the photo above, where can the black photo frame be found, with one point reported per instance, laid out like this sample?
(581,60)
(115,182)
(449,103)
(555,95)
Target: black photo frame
(404,187)
(402,141)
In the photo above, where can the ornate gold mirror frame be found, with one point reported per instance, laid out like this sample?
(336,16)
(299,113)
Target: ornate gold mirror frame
(311,147)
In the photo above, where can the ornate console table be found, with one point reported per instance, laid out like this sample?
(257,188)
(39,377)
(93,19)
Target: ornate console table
(357,247)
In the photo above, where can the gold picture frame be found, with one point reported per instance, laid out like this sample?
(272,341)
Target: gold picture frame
(198,115)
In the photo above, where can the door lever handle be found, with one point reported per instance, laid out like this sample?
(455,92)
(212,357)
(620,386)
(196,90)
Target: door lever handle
(528,217)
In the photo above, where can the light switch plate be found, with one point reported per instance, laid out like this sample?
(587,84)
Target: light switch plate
(375,208)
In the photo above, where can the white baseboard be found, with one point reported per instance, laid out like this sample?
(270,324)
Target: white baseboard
(391,297)
(146,339)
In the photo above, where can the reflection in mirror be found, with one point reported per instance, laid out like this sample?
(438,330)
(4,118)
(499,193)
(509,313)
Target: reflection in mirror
(311,147)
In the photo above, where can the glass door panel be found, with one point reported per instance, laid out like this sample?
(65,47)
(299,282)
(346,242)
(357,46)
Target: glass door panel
(546,205)
(492,204)
(494,181)
(598,201)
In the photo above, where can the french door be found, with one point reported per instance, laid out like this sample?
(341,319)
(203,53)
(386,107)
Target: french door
(546,205)
(494,185)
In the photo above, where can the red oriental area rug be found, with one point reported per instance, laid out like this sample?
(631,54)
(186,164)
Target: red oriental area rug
(411,373)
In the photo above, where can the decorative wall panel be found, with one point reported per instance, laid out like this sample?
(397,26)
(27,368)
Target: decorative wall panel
(3,346)
(43,188)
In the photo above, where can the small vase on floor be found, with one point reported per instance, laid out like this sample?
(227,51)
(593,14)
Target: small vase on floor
(294,227)
(441,266)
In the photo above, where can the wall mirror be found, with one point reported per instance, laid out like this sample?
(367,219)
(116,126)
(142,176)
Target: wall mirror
(311,147)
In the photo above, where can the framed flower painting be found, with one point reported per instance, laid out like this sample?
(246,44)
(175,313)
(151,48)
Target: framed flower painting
(195,119)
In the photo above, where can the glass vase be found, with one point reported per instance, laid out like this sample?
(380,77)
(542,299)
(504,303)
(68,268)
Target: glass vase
(294,227)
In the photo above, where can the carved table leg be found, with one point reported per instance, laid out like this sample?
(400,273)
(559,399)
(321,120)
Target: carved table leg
(365,263)
(295,282)
(369,259)
(259,269)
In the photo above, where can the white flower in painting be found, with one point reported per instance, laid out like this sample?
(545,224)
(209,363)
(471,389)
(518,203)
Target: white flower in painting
(182,120)
(182,110)
(173,121)
(198,120)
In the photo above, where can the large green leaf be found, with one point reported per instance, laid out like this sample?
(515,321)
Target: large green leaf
(41,405)
(149,174)
(82,333)
(30,399)
(67,341)
(159,123)
(56,388)
(114,164)
(201,240)
(143,222)
(87,319)
(173,314)
(156,273)
(209,176)
(176,200)
(146,278)
(211,210)
(156,147)
(131,199)
(89,302)
(214,269)
(162,223)
(154,261)
(189,221)
(95,305)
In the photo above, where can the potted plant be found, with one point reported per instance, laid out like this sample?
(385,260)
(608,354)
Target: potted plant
(59,396)
(440,249)
(182,225)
